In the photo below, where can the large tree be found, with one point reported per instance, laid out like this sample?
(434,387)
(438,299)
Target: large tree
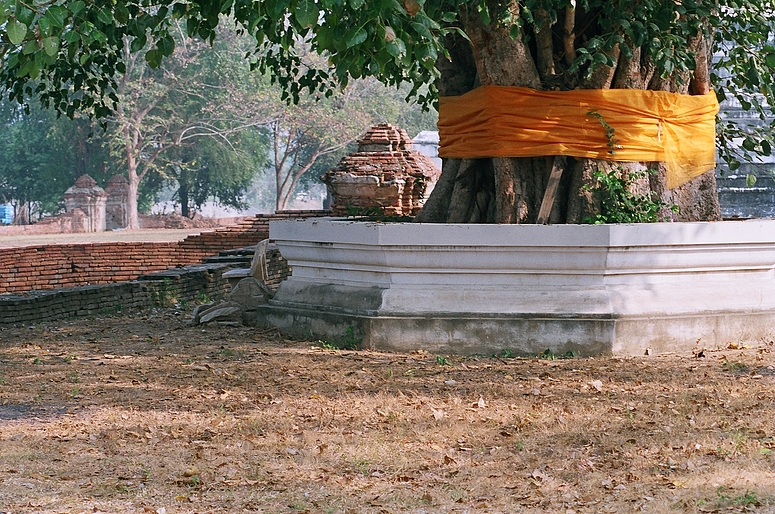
(41,157)
(210,171)
(68,54)
(198,93)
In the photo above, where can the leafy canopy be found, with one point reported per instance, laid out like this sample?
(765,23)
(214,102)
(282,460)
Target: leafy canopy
(69,52)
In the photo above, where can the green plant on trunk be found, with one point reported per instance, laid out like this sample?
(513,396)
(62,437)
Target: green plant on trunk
(619,204)
(610,132)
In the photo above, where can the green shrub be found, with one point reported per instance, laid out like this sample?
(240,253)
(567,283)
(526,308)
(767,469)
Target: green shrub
(618,204)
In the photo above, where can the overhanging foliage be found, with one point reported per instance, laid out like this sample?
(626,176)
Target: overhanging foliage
(69,52)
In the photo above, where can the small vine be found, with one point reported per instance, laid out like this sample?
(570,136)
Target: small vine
(610,132)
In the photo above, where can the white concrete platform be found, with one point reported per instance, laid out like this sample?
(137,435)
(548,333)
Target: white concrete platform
(593,289)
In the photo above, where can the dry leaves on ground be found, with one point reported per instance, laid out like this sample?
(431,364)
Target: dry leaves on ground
(143,413)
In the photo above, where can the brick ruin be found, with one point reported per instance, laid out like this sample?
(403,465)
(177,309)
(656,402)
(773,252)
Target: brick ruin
(385,176)
(55,266)
(117,206)
(89,208)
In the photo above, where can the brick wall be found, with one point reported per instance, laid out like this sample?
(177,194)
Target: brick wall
(246,233)
(42,267)
(40,283)
(277,268)
(159,289)
(58,266)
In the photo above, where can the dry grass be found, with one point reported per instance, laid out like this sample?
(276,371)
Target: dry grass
(141,413)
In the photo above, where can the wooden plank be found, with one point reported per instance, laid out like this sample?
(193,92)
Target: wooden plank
(551,190)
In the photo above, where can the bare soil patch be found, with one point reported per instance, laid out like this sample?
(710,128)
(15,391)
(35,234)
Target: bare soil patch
(143,413)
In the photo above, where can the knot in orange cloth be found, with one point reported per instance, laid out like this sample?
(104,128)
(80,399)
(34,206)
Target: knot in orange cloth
(650,126)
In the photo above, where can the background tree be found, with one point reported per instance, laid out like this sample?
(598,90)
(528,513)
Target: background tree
(306,132)
(198,93)
(69,55)
(41,156)
(211,171)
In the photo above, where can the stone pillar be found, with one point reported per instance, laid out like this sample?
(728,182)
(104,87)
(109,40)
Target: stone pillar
(117,212)
(91,199)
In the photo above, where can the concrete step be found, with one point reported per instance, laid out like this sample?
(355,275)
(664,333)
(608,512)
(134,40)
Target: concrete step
(247,250)
(224,259)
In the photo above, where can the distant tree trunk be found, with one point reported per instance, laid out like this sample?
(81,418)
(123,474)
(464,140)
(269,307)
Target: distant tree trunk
(510,190)
(21,213)
(134,218)
(184,199)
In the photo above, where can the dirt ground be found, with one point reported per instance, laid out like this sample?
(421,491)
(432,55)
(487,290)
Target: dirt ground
(158,228)
(148,235)
(143,413)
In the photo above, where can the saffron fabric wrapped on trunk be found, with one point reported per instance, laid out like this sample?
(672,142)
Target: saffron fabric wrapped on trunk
(612,124)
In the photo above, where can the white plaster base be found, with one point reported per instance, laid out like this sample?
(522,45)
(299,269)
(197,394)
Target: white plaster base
(463,288)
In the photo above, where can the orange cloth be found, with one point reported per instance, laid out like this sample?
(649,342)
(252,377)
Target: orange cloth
(498,121)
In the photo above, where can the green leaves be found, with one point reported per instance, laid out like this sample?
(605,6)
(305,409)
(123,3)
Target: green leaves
(76,6)
(153,58)
(422,30)
(396,48)
(138,43)
(165,45)
(50,46)
(356,38)
(17,31)
(56,16)
(105,16)
(307,13)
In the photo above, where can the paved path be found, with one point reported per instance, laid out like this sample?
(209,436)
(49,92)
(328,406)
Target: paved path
(156,235)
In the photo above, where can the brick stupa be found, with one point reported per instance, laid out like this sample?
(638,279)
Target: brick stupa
(384,177)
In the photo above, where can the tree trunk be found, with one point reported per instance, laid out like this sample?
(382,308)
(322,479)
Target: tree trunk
(21,215)
(183,196)
(510,190)
(134,182)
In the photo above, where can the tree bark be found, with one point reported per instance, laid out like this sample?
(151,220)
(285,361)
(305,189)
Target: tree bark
(510,190)
(134,182)
(183,196)
(436,206)
(21,215)
(458,76)
(544,47)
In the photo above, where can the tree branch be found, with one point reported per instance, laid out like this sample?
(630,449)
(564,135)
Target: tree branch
(700,83)
(569,36)
(544,48)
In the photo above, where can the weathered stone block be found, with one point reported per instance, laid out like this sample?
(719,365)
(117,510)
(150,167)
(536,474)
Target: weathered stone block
(249,293)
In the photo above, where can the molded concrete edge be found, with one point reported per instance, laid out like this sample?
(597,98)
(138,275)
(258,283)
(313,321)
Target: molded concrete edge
(485,335)
(484,288)
(526,335)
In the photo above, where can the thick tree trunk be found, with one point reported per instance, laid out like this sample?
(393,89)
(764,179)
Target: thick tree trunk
(458,76)
(510,190)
